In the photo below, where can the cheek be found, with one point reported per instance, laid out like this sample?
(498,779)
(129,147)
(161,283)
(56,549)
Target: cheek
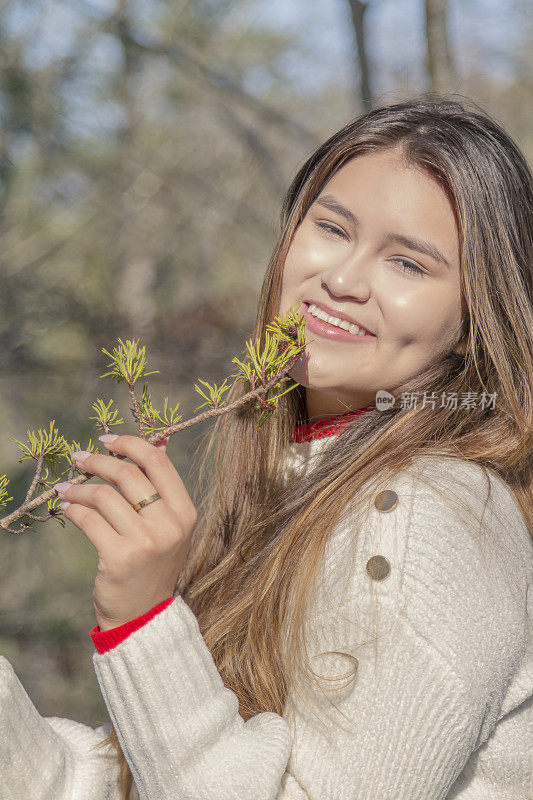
(307,255)
(294,276)
(404,311)
(296,267)
(425,317)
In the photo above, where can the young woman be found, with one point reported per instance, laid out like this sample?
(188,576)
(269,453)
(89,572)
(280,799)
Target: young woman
(343,615)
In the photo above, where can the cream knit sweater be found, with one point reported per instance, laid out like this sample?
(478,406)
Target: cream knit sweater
(441,706)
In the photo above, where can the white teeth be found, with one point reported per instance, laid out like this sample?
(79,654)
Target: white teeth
(317,312)
(340,323)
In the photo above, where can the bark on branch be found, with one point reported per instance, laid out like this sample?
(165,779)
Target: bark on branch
(255,394)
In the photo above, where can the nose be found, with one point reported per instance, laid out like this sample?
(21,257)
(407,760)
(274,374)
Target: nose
(349,278)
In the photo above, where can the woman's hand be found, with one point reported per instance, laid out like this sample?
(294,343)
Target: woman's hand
(140,553)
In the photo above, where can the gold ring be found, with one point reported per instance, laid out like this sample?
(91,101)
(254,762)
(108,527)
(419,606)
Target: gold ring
(147,501)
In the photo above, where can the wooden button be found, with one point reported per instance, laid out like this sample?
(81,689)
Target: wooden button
(386,500)
(378,567)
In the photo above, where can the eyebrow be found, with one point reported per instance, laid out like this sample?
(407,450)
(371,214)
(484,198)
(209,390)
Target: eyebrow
(412,242)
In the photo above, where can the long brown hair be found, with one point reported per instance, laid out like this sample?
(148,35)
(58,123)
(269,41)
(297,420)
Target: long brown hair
(251,521)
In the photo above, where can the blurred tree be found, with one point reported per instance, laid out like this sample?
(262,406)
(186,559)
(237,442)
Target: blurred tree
(358,8)
(124,213)
(442,76)
(140,181)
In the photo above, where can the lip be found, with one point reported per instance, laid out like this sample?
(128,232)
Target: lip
(331,331)
(333,313)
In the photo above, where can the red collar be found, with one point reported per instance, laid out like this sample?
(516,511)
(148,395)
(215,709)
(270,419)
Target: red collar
(326,427)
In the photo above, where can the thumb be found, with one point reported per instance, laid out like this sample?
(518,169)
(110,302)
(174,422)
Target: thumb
(162,445)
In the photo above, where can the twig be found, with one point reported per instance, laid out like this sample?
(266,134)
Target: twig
(214,412)
(36,477)
(36,502)
(136,410)
(153,439)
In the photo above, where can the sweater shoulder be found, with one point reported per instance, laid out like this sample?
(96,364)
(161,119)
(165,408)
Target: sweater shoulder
(466,526)
(440,505)
(442,548)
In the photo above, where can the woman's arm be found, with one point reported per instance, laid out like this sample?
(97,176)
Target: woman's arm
(420,705)
(410,729)
(49,757)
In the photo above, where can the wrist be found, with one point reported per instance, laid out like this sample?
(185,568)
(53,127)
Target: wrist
(105,640)
(105,624)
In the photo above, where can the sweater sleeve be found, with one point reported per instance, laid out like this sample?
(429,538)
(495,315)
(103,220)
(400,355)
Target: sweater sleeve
(423,700)
(50,757)
(105,640)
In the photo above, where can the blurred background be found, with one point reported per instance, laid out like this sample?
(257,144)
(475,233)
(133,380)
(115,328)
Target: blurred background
(145,148)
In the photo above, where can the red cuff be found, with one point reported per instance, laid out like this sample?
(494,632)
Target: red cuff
(106,640)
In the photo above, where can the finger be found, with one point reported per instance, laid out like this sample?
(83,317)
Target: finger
(109,504)
(133,483)
(95,528)
(159,470)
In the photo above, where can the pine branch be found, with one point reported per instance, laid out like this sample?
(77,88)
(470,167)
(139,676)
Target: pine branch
(37,476)
(264,371)
(136,411)
(215,412)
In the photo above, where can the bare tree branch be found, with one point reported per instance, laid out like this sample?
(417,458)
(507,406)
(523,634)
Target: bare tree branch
(257,147)
(220,82)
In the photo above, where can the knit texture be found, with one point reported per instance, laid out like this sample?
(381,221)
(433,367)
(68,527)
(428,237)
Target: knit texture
(327,427)
(441,705)
(105,640)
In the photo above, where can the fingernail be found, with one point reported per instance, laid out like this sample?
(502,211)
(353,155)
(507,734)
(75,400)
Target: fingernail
(62,487)
(64,504)
(107,438)
(81,455)
(162,443)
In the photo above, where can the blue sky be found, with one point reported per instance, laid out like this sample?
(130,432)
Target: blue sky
(395,32)
(484,34)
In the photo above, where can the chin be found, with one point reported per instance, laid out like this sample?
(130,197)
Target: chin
(299,374)
(300,371)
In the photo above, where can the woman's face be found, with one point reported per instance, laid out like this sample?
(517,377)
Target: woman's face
(362,270)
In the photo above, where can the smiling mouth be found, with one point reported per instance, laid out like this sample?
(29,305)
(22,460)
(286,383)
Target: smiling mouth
(339,330)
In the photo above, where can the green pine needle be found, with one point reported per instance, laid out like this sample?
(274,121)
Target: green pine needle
(215,399)
(4,499)
(128,362)
(284,338)
(42,442)
(149,414)
(104,416)
(56,511)
(74,446)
